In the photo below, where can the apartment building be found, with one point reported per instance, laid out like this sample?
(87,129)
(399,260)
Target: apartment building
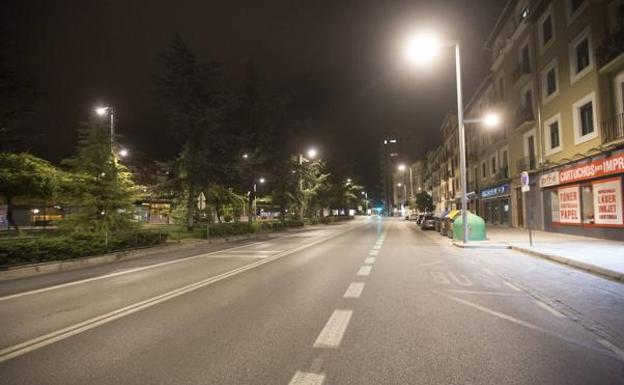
(557,79)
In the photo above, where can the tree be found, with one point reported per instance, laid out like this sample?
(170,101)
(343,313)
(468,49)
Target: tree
(219,197)
(424,202)
(195,103)
(25,175)
(99,186)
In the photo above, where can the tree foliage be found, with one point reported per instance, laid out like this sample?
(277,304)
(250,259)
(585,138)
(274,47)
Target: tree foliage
(424,202)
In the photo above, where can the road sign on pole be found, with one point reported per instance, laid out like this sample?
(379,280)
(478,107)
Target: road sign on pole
(201,201)
(524,182)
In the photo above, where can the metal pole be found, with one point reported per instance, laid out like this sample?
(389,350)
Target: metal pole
(528,215)
(112,129)
(411,183)
(462,144)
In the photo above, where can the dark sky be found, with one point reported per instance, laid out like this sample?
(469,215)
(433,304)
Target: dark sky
(340,60)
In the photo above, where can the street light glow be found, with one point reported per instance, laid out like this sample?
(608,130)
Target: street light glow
(261,180)
(399,184)
(123,153)
(101,110)
(401,167)
(491,120)
(422,49)
(245,156)
(312,153)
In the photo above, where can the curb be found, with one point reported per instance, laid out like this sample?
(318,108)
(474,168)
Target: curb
(76,263)
(611,274)
(477,245)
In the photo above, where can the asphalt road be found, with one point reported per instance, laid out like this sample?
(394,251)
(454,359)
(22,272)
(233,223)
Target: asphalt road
(369,302)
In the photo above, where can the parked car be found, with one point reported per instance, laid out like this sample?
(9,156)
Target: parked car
(428,222)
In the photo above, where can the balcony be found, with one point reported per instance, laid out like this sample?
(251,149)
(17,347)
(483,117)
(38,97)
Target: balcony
(522,116)
(613,129)
(610,48)
(522,70)
(503,173)
(528,163)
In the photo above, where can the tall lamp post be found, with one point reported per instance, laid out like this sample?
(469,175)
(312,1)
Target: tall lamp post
(311,153)
(102,111)
(255,189)
(422,49)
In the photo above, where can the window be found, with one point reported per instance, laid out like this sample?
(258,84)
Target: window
(525,59)
(574,8)
(493,165)
(527,101)
(546,29)
(529,151)
(504,160)
(552,133)
(554,206)
(550,81)
(581,56)
(587,203)
(483,170)
(585,119)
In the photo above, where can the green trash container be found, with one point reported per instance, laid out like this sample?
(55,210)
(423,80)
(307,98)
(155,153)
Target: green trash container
(476,228)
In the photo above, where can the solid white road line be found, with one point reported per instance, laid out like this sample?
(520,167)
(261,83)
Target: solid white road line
(123,272)
(364,270)
(619,352)
(476,292)
(488,272)
(354,290)
(303,378)
(374,252)
(369,260)
(512,286)
(61,334)
(334,329)
(430,263)
(548,308)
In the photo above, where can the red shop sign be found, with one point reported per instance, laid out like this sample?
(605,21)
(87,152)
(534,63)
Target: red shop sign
(595,169)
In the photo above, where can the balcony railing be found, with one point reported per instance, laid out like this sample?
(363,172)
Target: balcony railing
(613,129)
(528,163)
(520,70)
(523,115)
(610,47)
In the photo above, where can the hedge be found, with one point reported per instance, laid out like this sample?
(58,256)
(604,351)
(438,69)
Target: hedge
(50,248)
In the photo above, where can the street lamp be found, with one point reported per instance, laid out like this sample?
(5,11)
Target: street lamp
(365,194)
(312,153)
(402,168)
(123,152)
(102,111)
(261,180)
(423,49)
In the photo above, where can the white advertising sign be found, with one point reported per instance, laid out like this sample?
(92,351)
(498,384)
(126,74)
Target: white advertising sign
(569,204)
(549,179)
(608,202)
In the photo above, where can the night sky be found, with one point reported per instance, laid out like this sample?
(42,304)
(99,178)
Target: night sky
(339,60)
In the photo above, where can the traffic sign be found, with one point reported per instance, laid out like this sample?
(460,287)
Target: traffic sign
(201,201)
(524,181)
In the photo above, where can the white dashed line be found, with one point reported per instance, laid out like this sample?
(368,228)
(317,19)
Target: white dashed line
(334,329)
(354,290)
(374,252)
(619,352)
(364,270)
(513,287)
(548,309)
(369,260)
(376,247)
(303,378)
(478,292)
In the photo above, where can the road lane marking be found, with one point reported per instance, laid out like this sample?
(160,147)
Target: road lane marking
(254,251)
(477,292)
(369,260)
(460,279)
(488,272)
(430,263)
(334,330)
(61,334)
(374,252)
(548,308)
(304,378)
(518,321)
(439,277)
(376,247)
(619,352)
(354,290)
(512,286)
(364,270)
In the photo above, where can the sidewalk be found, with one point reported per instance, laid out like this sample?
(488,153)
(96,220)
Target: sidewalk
(598,256)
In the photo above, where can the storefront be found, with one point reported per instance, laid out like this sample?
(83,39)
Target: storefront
(495,204)
(585,198)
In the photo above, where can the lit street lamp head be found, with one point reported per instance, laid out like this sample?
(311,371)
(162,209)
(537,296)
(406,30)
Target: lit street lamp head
(123,153)
(261,180)
(401,167)
(422,49)
(312,153)
(491,120)
(101,110)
